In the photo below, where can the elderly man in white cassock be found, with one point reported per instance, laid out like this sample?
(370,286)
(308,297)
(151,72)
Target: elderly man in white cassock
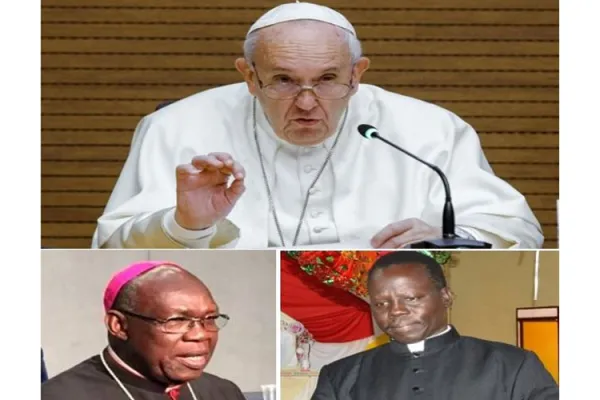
(276,161)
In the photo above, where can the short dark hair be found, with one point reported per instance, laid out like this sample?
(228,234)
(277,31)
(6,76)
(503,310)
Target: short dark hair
(126,300)
(433,268)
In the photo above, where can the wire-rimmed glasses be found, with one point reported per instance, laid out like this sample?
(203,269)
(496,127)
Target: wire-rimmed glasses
(288,89)
(210,323)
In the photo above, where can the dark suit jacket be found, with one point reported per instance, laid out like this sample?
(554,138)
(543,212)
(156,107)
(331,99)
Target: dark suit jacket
(451,367)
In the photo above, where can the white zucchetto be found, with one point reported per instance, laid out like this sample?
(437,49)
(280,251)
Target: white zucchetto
(302,11)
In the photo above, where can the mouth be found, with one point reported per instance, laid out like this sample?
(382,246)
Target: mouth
(401,326)
(306,121)
(194,361)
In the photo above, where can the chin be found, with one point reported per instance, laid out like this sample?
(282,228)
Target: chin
(178,372)
(306,138)
(184,376)
(411,334)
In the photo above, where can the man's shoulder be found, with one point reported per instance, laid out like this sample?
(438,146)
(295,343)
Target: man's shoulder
(223,99)
(208,116)
(503,351)
(72,381)
(399,103)
(344,365)
(402,115)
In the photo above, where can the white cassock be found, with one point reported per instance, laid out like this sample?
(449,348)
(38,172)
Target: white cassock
(364,187)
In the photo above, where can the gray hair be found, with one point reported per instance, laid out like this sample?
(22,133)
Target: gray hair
(353,42)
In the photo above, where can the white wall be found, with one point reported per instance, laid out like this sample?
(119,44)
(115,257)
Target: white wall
(242,282)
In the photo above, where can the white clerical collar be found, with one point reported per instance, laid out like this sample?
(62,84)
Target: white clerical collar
(420,346)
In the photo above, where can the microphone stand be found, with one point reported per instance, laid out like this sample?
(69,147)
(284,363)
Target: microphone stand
(449,239)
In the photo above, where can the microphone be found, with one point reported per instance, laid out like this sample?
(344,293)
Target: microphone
(449,239)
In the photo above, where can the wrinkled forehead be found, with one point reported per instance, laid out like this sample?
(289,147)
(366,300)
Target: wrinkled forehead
(298,45)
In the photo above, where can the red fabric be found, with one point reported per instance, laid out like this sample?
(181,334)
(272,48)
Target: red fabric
(173,394)
(331,315)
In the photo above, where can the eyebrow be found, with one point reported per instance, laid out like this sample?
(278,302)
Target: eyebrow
(187,312)
(282,69)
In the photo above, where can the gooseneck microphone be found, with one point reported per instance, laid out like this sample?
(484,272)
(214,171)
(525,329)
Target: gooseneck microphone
(449,239)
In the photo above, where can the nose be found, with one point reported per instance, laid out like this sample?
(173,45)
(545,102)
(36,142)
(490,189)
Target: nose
(306,100)
(398,308)
(197,332)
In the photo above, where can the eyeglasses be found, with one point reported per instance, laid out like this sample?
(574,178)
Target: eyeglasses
(288,89)
(211,323)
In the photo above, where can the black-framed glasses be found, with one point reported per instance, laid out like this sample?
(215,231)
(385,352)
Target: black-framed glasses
(210,323)
(288,89)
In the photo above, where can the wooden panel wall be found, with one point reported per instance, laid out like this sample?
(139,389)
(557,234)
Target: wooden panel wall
(106,63)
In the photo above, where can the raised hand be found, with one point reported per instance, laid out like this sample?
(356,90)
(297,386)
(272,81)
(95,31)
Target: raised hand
(207,190)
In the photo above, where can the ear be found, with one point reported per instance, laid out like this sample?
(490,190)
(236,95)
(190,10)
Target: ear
(244,68)
(447,297)
(361,66)
(116,324)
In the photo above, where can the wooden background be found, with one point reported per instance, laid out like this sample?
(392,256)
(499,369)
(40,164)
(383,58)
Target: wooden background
(106,63)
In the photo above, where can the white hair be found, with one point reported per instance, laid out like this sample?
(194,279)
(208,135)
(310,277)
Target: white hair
(348,37)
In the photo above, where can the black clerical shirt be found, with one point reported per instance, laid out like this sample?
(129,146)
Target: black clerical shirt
(451,367)
(89,380)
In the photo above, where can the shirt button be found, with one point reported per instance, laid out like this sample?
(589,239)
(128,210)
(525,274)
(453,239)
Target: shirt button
(308,169)
(417,389)
(318,229)
(315,213)
(418,370)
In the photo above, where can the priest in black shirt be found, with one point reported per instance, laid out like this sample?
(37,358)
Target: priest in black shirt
(427,358)
(163,326)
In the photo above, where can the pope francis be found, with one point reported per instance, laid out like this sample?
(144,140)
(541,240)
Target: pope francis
(276,161)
